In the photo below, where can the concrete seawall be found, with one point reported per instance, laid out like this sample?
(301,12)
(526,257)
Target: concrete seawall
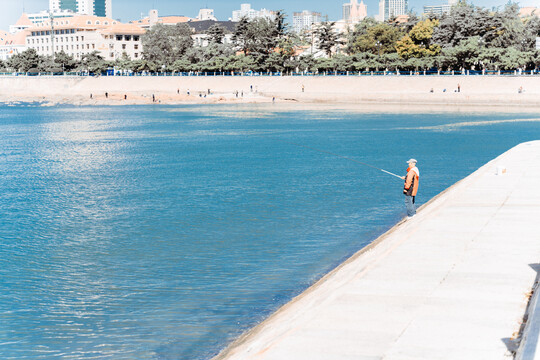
(475,90)
(451,283)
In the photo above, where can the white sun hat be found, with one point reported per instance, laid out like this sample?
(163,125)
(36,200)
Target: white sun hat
(412,160)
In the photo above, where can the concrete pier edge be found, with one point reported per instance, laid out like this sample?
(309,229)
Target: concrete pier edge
(381,244)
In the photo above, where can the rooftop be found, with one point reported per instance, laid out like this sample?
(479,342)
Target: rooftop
(89,22)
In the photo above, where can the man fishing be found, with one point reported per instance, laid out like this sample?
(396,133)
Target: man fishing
(411,187)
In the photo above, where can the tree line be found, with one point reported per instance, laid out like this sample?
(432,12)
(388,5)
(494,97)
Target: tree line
(468,37)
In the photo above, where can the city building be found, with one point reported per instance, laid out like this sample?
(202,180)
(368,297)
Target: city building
(206,14)
(354,12)
(305,20)
(37,18)
(247,12)
(389,9)
(439,10)
(153,18)
(380,15)
(84,34)
(102,8)
(22,24)
(12,44)
(200,28)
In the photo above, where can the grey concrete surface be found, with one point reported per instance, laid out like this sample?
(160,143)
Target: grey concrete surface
(450,283)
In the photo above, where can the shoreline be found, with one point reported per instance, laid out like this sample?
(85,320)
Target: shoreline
(373,93)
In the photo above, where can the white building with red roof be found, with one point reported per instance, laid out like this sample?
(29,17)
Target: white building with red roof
(84,34)
(23,23)
(12,44)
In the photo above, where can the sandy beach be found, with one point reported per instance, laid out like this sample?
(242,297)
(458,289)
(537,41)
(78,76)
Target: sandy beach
(496,93)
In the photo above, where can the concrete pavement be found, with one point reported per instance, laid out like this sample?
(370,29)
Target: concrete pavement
(451,283)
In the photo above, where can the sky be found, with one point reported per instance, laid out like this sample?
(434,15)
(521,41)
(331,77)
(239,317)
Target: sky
(126,10)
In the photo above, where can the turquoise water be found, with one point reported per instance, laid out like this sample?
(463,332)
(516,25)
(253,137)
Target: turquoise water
(165,232)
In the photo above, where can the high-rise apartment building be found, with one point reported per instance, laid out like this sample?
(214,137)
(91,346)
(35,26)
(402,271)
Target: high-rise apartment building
(83,7)
(305,20)
(206,14)
(392,8)
(439,10)
(247,12)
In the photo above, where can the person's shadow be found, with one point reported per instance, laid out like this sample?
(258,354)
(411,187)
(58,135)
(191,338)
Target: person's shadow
(513,343)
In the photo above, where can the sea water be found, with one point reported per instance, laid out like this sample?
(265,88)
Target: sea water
(165,232)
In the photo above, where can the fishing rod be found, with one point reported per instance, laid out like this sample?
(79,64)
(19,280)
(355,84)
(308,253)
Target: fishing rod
(340,156)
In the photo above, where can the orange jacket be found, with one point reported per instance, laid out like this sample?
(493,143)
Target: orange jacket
(411,181)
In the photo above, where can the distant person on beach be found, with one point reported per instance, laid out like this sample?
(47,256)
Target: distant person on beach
(410,187)
(458,88)
(125,97)
(153,98)
(520,90)
(106,95)
(303,87)
(431,90)
(90,96)
(188,93)
(178,91)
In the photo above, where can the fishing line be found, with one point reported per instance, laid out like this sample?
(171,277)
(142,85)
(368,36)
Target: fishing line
(340,156)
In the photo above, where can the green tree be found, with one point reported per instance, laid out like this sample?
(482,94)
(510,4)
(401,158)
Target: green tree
(532,31)
(274,62)
(23,62)
(327,37)
(280,24)
(137,65)
(506,58)
(240,63)
(123,63)
(213,50)
(464,55)
(360,29)
(256,37)
(417,43)
(164,44)
(306,63)
(510,29)
(379,39)
(94,63)
(181,65)
(216,33)
(463,22)
(262,36)
(536,59)
(65,62)
(241,34)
